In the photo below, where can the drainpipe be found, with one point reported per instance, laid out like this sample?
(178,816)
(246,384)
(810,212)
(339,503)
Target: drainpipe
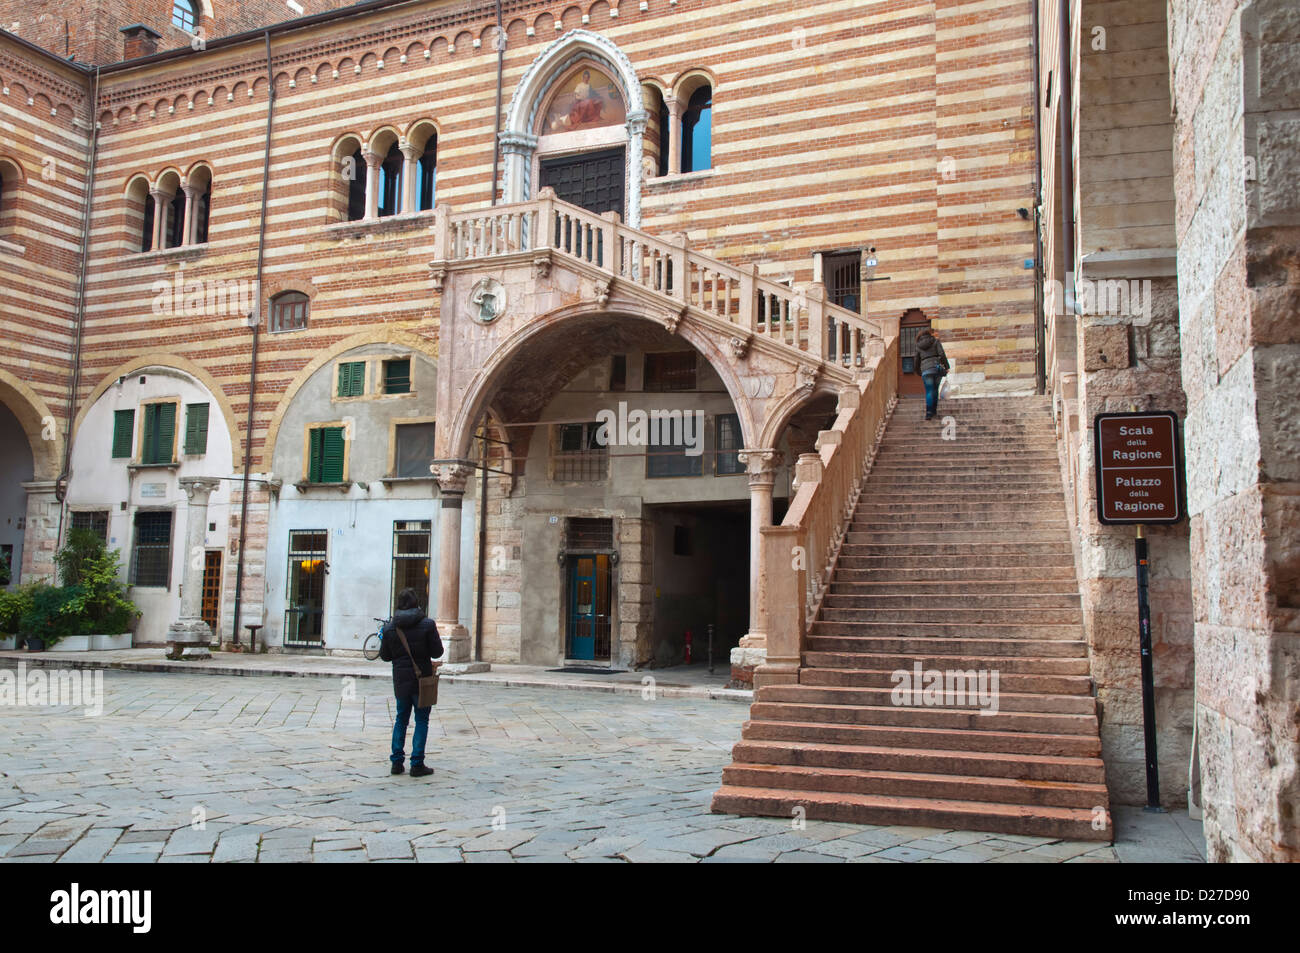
(1040,319)
(1066,110)
(74,379)
(496,122)
(257,328)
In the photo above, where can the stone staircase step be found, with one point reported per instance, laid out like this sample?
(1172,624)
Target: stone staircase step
(875,697)
(1060,822)
(950,718)
(945,739)
(893,661)
(916,785)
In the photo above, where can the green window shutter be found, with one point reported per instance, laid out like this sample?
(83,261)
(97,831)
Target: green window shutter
(165,432)
(196,428)
(123,433)
(331,467)
(314,455)
(352,379)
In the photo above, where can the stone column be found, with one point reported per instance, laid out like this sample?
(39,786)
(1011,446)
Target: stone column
(188,636)
(674,135)
(410,173)
(373,161)
(517,150)
(191,207)
(762,465)
(160,200)
(636,123)
(455,637)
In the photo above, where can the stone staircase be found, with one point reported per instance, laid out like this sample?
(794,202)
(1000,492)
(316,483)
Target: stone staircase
(957,558)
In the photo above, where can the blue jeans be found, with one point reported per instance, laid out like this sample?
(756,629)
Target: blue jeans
(931,379)
(404,708)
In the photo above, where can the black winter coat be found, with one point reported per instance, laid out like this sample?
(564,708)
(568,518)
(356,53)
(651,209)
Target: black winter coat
(422,637)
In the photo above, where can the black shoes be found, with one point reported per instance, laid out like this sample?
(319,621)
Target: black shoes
(398,769)
(421,771)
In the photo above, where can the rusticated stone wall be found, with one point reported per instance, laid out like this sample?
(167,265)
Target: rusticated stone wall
(1236,86)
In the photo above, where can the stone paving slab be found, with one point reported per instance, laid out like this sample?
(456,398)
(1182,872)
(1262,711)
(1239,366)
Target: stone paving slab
(191,768)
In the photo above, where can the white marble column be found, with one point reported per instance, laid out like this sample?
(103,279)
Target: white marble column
(188,636)
(762,465)
(373,161)
(455,637)
(410,175)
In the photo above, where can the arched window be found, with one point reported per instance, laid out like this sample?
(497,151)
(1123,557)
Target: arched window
(185,15)
(289,311)
(697,131)
(390,182)
(174,229)
(427,184)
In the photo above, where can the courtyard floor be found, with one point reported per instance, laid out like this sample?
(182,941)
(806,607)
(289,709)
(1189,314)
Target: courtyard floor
(197,768)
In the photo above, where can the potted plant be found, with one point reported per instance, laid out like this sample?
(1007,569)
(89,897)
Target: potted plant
(97,601)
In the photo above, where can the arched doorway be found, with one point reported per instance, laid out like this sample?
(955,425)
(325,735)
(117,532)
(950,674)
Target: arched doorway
(910,383)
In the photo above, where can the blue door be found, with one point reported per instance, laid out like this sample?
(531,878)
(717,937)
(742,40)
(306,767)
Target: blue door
(589,607)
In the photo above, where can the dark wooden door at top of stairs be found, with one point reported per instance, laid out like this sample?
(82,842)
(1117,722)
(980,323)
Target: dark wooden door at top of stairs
(957,559)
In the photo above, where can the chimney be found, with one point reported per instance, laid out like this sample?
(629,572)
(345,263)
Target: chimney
(139,40)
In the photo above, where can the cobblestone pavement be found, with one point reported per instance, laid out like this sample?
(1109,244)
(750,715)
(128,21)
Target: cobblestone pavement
(189,768)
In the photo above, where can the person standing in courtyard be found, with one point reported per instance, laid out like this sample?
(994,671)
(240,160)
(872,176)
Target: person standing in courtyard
(932,363)
(411,643)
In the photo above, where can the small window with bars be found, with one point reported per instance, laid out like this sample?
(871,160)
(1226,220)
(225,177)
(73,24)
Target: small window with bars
(397,376)
(151,550)
(326,453)
(196,429)
(674,370)
(727,445)
(411,559)
(352,379)
(94,521)
(414,450)
(579,456)
(159,441)
(123,434)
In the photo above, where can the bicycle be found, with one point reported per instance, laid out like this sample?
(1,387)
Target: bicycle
(371,647)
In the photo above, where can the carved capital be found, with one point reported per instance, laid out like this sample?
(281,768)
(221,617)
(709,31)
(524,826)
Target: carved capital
(452,477)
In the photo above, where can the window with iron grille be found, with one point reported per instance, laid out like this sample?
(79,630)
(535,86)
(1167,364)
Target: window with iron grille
(151,550)
(579,456)
(397,376)
(96,521)
(289,311)
(727,442)
(325,455)
(159,434)
(123,433)
(674,370)
(352,379)
(411,559)
(671,460)
(414,450)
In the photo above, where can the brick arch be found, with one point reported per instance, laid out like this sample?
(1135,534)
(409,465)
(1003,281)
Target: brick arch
(483,386)
(176,363)
(376,336)
(33,414)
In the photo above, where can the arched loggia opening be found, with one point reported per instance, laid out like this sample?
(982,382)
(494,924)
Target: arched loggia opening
(631,499)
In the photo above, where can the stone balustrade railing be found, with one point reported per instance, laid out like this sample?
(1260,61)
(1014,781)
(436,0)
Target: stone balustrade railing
(797,557)
(800,318)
